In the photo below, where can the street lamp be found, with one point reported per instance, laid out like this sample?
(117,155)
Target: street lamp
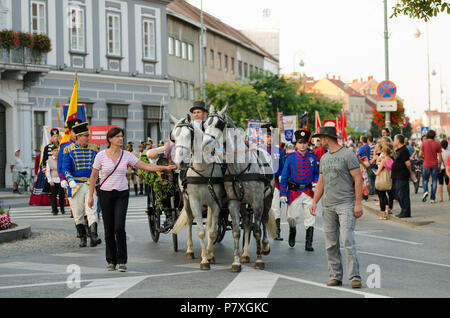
(417,34)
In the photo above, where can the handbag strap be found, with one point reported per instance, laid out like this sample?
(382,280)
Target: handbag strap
(112,171)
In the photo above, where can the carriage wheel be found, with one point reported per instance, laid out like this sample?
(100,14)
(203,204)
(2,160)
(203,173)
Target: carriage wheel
(154,217)
(221,227)
(175,215)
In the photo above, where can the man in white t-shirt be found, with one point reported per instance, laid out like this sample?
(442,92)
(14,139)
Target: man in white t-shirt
(17,166)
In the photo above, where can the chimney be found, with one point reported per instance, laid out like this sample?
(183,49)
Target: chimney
(327,75)
(361,79)
(334,76)
(339,77)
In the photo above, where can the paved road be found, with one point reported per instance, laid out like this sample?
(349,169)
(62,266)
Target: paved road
(411,263)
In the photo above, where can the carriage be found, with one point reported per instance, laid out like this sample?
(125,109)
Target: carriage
(162,217)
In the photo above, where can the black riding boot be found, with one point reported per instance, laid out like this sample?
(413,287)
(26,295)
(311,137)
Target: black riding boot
(94,236)
(82,235)
(309,239)
(141,189)
(278,238)
(292,232)
(135,190)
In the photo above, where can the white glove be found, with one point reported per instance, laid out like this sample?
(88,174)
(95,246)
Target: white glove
(314,186)
(64,184)
(72,184)
(283,199)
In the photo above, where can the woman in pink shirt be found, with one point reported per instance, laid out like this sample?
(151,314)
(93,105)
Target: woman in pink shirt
(386,197)
(114,194)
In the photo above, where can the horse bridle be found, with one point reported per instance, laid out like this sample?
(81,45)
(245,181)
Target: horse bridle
(191,130)
(221,124)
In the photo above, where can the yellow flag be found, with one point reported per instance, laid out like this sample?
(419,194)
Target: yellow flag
(71,112)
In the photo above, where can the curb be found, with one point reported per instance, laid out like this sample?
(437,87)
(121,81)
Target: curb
(16,233)
(396,219)
(14,196)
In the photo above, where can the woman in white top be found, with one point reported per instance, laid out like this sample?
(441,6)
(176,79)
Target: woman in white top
(442,177)
(114,194)
(51,172)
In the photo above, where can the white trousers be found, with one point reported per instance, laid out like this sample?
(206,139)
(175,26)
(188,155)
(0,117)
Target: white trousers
(276,204)
(299,206)
(79,205)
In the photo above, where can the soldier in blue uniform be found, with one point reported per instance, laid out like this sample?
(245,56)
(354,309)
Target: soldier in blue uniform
(278,157)
(62,146)
(299,176)
(77,168)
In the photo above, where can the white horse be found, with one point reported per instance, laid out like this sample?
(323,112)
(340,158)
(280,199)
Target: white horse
(248,180)
(203,180)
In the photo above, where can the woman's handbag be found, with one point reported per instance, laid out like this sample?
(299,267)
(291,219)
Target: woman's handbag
(97,187)
(383,181)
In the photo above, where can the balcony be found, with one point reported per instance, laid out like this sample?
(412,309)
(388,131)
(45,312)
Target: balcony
(20,63)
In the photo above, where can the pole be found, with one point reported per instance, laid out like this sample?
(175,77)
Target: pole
(428,75)
(202,53)
(386,57)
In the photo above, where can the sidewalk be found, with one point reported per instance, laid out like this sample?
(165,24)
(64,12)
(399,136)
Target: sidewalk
(423,214)
(8,194)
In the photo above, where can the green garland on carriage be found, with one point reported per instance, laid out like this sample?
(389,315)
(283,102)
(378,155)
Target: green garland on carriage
(158,182)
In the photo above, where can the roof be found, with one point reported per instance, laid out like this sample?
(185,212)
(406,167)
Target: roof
(345,87)
(215,25)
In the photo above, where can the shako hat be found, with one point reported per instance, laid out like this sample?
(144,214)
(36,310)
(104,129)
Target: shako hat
(198,104)
(73,122)
(329,131)
(301,135)
(54,131)
(81,129)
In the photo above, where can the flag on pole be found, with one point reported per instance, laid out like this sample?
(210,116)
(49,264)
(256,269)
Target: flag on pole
(304,121)
(72,112)
(343,125)
(318,124)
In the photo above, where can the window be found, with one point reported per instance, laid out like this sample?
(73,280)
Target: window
(240,68)
(184,50)
(149,39)
(185,90)
(172,89)
(191,92)
(39,122)
(89,112)
(3,14)
(204,55)
(77,29)
(170,44)
(178,89)
(232,65)
(177,48)
(38,17)
(219,60)
(245,70)
(113,33)
(226,63)
(251,69)
(190,52)
(211,58)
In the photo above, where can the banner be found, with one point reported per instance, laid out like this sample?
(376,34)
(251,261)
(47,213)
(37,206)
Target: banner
(45,140)
(254,131)
(317,121)
(304,121)
(330,122)
(80,114)
(289,127)
(97,134)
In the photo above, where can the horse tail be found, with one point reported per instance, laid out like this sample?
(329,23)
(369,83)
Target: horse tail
(181,222)
(271,224)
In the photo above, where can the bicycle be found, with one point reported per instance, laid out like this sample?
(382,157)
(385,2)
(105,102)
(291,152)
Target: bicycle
(25,180)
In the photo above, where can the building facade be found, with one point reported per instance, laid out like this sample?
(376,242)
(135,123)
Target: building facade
(118,49)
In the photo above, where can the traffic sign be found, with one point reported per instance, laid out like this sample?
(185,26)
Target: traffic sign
(424,130)
(386,90)
(387,106)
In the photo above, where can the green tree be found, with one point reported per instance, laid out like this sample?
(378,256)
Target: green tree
(243,100)
(421,9)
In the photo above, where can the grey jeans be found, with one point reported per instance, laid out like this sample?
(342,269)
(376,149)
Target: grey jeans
(339,221)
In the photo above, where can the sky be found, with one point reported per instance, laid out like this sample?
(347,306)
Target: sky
(346,38)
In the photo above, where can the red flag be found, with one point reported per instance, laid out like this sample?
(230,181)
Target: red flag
(318,124)
(343,125)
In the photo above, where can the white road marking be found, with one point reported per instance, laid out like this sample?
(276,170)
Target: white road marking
(72,255)
(250,283)
(405,259)
(110,288)
(51,268)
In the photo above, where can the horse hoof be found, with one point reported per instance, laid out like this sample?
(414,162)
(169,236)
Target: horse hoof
(236,268)
(205,266)
(190,256)
(259,265)
(266,252)
(245,259)
(212,260)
